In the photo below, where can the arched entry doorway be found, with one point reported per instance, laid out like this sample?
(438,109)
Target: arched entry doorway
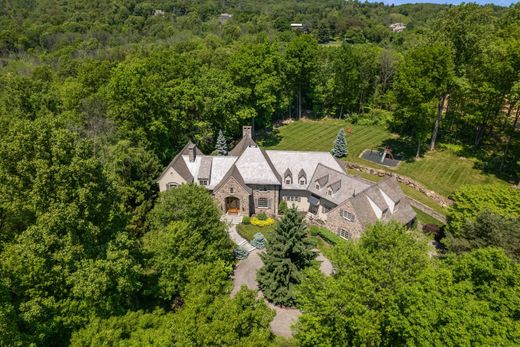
(232,205)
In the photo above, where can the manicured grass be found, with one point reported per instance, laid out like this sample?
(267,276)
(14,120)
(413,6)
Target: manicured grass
(441,171)
(425,218)
(248,231)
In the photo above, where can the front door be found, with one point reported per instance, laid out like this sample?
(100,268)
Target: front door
(232,205)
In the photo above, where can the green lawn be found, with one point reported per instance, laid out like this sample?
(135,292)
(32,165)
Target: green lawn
(442,171)
(248,231)
(425,218)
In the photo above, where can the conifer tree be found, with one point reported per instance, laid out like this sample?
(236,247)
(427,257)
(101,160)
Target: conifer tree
(289,251)
(339,149)
(221,146)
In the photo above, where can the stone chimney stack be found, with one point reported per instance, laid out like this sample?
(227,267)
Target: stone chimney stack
(192,152)
(247,130)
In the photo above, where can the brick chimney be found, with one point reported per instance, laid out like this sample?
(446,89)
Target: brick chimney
(247,130)
(192,152)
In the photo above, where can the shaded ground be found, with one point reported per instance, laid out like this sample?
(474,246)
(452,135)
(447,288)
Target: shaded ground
(375,156)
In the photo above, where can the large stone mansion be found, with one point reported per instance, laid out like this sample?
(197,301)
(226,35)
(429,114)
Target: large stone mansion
(250,180)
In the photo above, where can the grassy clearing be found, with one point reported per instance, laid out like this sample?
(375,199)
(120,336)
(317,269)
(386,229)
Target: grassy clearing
(248,231)
(442,171)
(425,218)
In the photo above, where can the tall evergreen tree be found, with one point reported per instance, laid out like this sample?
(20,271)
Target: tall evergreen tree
(340,145)
(221,146)
(289,251)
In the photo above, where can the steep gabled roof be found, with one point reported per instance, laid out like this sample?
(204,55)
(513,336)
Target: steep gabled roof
(287,173)
(335,186)
(256,168)
(302,174)
(241,146)
(323,180)
(235,173)
(343,186)
(179,165)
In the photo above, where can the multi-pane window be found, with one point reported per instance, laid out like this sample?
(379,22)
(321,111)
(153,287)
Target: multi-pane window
(345,234)
(292,198)
(231,190)
(303,181)
(263,202)
(203,182)
(347,215)
(288,180)
(171,185)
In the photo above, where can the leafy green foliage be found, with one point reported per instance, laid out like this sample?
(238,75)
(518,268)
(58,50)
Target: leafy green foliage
(471,200)
(339,150)
(246,220)
(289,251)
(488,230)
(282,207)
(185,231)
(240,253)
(398,296)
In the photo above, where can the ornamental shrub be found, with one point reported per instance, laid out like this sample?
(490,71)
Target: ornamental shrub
(258,241)
(246,220)
(240,253)
(262,223)
(261,216)
(282,207)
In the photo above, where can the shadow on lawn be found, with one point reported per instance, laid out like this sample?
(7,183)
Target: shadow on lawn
(401,149)
(489,161)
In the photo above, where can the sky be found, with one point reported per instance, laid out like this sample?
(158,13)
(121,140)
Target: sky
(456,2)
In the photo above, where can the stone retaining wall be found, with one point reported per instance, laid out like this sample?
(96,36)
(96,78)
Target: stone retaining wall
(441,200)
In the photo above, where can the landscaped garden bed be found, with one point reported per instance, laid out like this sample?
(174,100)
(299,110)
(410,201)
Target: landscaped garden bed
(248,231)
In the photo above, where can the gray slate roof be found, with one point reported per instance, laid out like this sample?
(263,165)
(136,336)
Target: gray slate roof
(235,173)
(344,185)
(241,146)
(205,168)
(256,168)
(364,211)
(179,165)
(300,163)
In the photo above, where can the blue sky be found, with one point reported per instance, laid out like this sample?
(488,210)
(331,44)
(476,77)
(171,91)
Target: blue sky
(496,2)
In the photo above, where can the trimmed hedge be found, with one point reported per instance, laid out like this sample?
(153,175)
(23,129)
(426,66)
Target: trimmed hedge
(325,234)
(246,220)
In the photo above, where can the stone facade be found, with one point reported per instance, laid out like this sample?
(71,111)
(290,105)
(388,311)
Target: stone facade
(269,192)
(335,221)
(232,188)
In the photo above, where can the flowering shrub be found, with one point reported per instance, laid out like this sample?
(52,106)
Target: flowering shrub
(262,223)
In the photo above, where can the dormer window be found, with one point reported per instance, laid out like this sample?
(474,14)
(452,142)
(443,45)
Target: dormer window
(287,176)
(347,215)
(203,182)
(302,178)
(318,186)
(329,191)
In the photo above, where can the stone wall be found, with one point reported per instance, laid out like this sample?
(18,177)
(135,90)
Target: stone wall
(441,200)
(238,191)
(271,194)
(335,221)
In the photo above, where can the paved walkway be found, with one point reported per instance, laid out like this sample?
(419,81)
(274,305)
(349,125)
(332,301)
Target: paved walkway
(232,222)
(245,275)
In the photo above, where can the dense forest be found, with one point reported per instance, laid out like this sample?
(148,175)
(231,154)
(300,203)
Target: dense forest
(97,96)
